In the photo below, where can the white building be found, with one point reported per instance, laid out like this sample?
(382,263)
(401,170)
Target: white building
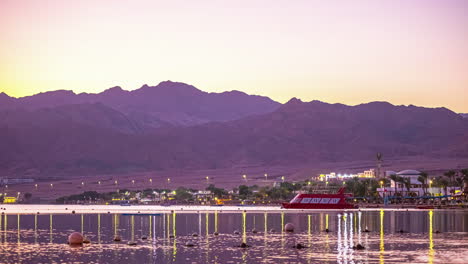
(416,187)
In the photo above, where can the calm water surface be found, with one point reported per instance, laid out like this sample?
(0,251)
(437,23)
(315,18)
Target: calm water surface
(42,238)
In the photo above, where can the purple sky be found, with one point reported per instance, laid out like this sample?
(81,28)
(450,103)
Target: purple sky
(402,51)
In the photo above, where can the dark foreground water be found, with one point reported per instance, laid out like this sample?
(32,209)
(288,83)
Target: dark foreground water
(429,237)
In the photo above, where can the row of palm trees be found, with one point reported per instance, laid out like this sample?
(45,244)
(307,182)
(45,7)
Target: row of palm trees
(450,179)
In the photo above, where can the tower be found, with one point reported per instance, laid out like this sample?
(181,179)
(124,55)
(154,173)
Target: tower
(379,165)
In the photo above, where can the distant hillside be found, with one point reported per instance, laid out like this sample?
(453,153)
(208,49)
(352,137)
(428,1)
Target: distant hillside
(464,115)
(153,106)
(80,139)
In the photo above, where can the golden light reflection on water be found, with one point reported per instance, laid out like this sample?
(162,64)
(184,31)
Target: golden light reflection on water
(132,223)
(168,225)
(116,224)
(309,237)
(326,221)
(216,221)
(51,227)
(207,227)
(244,227)
(150,224)
(18,228)
(282,230)
(35,229)
(82,224)
(99,228)
(430,258)
(174,224)
(382,242)
(174,244)
(5,227)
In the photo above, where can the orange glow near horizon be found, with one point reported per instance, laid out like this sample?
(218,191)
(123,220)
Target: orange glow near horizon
(404,52)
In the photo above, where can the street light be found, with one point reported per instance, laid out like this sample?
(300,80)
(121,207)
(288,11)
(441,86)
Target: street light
(51,185)
(282,178)
(151,181)
(133,182)
(35,185)
(381,184)
(266,177)
(245,177)
(207,179)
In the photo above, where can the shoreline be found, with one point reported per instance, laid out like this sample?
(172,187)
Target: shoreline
(158,209)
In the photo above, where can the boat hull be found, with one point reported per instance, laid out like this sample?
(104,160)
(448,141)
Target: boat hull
(320,201)
(319,206)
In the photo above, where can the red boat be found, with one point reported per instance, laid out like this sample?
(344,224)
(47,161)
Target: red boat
(320,201)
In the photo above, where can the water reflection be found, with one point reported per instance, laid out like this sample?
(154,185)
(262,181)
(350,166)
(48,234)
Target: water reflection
(42,238)
(382,242)
(431,241)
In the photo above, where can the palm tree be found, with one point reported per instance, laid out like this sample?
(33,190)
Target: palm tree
(464,172)
(422,178)
(407,183)
(450,174)
(441,182)
(394,178)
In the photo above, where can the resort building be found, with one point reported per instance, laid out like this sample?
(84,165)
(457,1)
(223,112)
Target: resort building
(416,188)
(344,176)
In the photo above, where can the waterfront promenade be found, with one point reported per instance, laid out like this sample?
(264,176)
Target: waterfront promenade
(156,209)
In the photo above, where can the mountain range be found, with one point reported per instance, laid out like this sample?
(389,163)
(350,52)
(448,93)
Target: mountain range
(175,125)
(168,103)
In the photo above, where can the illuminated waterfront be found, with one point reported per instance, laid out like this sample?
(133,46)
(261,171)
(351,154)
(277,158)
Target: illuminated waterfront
(428,237)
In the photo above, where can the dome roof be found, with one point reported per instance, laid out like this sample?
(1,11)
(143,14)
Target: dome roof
(409,172)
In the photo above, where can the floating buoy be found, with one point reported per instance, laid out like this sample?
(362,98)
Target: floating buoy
(75,238)
(117,239)
(289,227)
(299,246)
(86,241)
(326,230)
(171,236)
(144,237)
(194,234)
(131,243)
(236,232)
(73,211)
(243,245)
(437,231)
(189,244)
(401,231)
(272,230)
(254,231)
(215,233)
(359,247)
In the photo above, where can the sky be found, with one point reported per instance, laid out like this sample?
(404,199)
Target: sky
(351,52)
